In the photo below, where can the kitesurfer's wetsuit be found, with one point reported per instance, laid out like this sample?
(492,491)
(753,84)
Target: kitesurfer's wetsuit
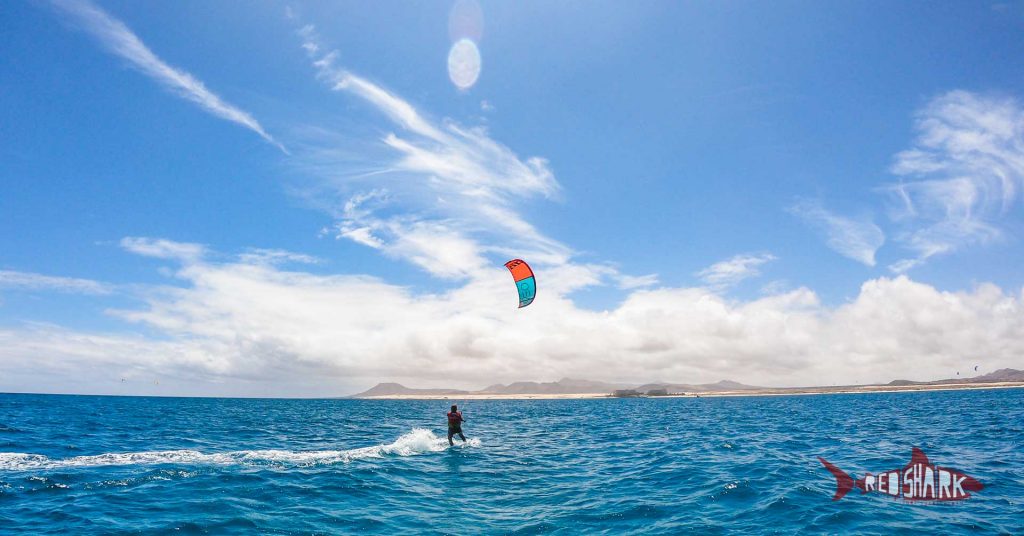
(455,426)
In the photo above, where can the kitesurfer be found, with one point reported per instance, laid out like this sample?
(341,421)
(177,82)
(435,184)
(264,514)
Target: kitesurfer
(455,421)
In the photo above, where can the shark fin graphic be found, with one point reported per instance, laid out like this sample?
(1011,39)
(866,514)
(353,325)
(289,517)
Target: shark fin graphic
(844,483)
(917,456)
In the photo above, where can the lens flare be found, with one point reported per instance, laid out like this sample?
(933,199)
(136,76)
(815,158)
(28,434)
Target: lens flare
(466,21)
(464,64)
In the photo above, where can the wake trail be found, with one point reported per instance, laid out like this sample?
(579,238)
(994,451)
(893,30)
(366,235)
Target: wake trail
(418,441)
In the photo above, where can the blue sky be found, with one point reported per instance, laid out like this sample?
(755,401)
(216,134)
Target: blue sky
(297,199)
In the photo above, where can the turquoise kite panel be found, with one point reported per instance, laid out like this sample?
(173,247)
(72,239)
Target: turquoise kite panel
(527,291)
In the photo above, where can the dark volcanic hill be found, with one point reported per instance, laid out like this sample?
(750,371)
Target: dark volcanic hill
(565,386)
(397,389)
(724,385)
(1001,375)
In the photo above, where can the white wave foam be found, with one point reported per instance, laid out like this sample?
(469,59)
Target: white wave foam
(418,441)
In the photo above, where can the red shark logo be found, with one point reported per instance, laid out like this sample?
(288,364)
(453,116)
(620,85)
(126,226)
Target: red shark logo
(919,480)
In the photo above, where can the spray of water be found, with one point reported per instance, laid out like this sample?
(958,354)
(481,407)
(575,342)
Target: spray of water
(417,441)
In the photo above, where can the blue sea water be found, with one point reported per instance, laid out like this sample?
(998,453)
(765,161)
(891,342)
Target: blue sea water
(90,465)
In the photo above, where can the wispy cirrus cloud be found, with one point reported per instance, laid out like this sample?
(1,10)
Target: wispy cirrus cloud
(962,176)
(32,281)
(117,38)
(276,256)
(958,183)
(730,272)
(857,239)
(438,183)
(163,249)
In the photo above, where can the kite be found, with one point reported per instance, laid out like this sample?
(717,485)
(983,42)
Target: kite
(525,282)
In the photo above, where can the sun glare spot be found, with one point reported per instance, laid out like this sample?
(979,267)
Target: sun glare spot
(464,64)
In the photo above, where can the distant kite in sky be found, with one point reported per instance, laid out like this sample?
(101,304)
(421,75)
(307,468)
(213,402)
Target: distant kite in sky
(525,282)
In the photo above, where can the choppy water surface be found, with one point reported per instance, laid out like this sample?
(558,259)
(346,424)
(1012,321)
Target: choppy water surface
(75,464)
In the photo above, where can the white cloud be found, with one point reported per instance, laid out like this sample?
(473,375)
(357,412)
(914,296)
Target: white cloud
(958,184)
(120,40)
(253,328)
(856,239)
(359,234)
(436,248)
(32,281)
(776,286)
(962,176)
(629,282)
(728,273)
(163,249)
(275,256)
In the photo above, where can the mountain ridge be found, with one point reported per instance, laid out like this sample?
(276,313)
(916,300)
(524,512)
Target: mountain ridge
(1001,375)
(564,386)
(571,386)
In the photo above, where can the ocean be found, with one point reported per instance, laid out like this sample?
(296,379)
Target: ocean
(139,465)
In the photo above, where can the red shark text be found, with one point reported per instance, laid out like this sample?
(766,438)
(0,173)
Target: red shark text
(917,481)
